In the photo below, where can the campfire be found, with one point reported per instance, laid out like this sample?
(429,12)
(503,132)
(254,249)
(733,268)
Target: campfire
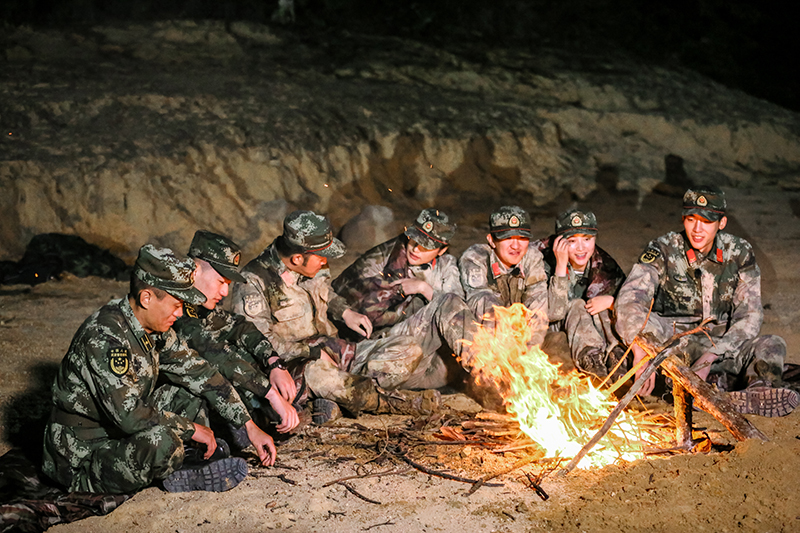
(558,412)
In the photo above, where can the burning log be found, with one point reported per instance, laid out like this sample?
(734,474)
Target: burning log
(710,400)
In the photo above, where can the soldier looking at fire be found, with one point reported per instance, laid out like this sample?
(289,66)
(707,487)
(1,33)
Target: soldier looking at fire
(506,270)
(409,285)
(288,297)
(583,281)
(706,273)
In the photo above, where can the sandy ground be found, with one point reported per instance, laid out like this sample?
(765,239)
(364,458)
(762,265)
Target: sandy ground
(751,486)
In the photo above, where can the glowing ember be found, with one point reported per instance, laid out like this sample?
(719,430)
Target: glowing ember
(558,412)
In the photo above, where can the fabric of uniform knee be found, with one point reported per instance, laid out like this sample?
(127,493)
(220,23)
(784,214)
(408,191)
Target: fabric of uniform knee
(128,465)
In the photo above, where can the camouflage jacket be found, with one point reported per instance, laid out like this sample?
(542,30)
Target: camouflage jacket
(366,284)
(112,368)
(289,309)
(603,276)
(231,343)
(685,287)
(487,282)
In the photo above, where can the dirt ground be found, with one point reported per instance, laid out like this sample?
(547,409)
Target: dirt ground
(752,486)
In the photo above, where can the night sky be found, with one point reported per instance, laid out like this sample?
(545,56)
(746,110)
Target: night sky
(742,44)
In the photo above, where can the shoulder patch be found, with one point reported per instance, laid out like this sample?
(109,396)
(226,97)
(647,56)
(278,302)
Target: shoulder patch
(253,304)
(190,310)
(475,278)
(118,361)
(649,256)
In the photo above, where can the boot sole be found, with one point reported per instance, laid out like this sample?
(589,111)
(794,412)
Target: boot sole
(217,476)
(765,401)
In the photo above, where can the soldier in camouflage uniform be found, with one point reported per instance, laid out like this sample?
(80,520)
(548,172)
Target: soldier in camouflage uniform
(705,273)
(110,430)
(506,270)
(231,343)
(409,285)
(288,297)
(583,281)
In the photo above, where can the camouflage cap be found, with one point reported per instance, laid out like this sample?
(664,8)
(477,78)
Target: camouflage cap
(509,221)
(220,252)
(574,222)
(706,201)
(312,234)
(432,229)
(162,269)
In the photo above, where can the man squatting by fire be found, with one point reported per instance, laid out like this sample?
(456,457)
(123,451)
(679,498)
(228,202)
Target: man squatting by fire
(706,273)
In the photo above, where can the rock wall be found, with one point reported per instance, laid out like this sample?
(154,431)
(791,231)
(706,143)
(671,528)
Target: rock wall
(135,134)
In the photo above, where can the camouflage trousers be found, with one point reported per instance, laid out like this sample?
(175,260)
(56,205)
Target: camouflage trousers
(589,336)
(406,356)
(768,351)
(90,460)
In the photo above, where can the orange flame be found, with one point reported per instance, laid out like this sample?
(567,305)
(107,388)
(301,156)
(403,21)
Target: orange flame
(558,412)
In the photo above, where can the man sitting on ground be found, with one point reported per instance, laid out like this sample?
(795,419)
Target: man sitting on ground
(705,273)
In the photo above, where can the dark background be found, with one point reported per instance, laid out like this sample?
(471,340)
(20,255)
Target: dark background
(742,44)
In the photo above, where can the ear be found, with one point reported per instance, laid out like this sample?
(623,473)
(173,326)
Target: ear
(723,222)
(296,259)
(442,251)
(490,240)
(144,298)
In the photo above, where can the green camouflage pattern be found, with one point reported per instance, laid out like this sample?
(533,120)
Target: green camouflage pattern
(162,269)
(29,504)
(288,314)
(312,233)
(708,202)
(575,222)
(488,283)
(432,229)
(109,377)
(366,284)
(724,286)
(233,345)
(566,298)
(220,252)
(509,221)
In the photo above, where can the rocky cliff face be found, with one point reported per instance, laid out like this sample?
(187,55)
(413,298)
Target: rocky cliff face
(145,133)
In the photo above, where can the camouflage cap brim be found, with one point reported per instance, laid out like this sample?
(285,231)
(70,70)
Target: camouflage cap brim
(578,231)
(708,214)
(189,294)
(423,239)
(333,250)
(499,235)
(227,272)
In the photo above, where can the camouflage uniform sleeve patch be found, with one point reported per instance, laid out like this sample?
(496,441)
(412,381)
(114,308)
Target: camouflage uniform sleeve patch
(253,304)
(190,310)
(649,256)
(118,361)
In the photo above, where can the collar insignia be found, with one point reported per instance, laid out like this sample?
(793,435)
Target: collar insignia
(146,343)
(190,310)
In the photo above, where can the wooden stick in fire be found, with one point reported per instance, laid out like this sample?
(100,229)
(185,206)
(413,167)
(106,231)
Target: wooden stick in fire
(623,403)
